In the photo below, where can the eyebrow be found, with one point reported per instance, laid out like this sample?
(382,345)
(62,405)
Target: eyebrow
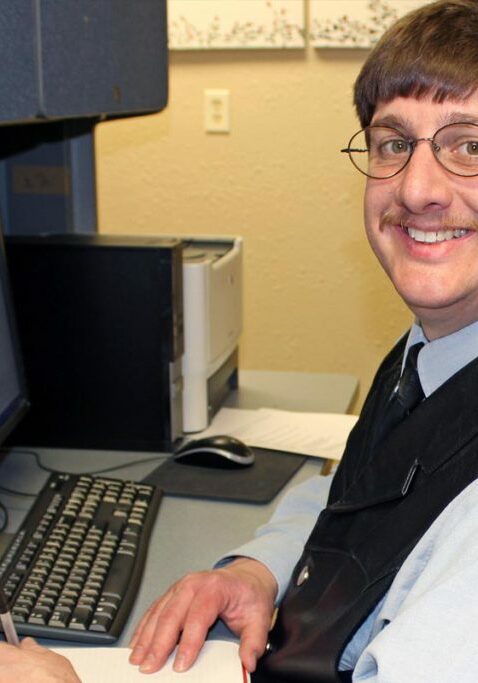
(393,122)
(405,124)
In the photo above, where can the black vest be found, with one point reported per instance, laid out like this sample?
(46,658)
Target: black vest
(382,500)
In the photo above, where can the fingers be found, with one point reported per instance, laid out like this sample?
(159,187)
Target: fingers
(200,617)
(189,607)
(154,630)
(153,608)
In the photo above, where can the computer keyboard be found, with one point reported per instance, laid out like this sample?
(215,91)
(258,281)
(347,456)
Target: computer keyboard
(73,569)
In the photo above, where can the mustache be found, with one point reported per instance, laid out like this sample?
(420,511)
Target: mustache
(446,222)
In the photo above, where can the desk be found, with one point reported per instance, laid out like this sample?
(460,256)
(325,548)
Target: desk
(192,534)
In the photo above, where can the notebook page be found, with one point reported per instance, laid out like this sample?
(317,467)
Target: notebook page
(218,662)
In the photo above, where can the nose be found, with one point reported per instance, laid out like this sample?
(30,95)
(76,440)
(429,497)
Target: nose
(424,185)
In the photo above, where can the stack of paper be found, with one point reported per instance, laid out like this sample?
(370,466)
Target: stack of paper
(319,434)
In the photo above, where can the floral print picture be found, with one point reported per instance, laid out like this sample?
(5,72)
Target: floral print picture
(354,23)
(223,24)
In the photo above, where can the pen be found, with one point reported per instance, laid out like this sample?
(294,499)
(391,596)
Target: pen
(7,622)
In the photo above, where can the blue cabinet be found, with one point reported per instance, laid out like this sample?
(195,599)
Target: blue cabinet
(81,58)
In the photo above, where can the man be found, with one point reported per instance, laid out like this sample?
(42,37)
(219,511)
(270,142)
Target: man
(384,589)
(400,488)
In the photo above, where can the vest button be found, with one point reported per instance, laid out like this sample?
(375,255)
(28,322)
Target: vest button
(303,576)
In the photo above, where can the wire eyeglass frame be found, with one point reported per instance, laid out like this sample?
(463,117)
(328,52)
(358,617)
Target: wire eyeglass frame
(412,144)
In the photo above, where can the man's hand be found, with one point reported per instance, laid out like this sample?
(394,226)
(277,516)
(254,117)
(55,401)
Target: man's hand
(241,594)
(31,662)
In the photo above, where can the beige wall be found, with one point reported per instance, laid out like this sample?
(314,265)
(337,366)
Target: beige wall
(315,300)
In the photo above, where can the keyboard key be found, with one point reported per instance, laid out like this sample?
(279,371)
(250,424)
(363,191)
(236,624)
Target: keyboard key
(60,618)
(81,617)
(101,623)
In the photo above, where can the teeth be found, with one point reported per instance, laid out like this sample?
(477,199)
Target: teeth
(438,236)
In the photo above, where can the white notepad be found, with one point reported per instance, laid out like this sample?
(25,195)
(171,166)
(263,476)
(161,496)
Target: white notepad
(218,662)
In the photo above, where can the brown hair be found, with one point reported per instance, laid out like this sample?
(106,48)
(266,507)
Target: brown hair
(432,50)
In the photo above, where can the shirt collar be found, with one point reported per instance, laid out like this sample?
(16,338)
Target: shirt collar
(441,358)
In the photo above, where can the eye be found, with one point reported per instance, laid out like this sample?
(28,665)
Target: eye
(459,141)
(465,151)
(459,148)
(397,146)
(471,147)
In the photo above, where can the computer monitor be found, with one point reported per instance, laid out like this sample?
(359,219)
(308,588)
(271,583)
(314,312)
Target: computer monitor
(13,395)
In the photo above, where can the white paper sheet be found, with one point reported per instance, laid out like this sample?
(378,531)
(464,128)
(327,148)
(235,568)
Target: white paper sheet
(218,662)
(318,434)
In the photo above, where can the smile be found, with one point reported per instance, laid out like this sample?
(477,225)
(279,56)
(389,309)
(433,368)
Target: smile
(430,237)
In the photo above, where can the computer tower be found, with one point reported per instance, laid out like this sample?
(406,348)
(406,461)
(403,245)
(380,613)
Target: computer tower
(100,323)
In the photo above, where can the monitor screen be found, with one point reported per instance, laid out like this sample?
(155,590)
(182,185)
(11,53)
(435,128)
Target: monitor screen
(13,399)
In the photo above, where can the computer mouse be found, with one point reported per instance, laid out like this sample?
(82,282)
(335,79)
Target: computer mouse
(222,452)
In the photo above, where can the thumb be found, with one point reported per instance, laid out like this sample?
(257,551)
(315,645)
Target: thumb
(30,644)
(252,646)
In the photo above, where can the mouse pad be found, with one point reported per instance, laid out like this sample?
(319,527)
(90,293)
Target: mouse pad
(259,483)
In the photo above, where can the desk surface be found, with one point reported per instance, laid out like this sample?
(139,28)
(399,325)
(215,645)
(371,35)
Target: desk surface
(191,534)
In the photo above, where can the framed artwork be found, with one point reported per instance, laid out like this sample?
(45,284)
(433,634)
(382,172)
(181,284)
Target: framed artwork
(354,23)
(224,24)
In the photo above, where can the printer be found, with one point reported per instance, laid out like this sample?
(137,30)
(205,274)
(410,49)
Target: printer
(212,303)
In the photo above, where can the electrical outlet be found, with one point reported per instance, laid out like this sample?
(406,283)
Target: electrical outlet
(216,111)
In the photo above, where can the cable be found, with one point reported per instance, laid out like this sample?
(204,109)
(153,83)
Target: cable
(14,492)
(124,466)
(113,468)
(51,470)
(45,468)
(33,453)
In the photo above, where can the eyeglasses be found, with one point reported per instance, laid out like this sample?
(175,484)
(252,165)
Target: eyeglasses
(381,152)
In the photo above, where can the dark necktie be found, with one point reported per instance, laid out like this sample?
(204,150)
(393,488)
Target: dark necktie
(407,395)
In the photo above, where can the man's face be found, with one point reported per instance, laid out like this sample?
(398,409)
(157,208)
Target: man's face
(437,279)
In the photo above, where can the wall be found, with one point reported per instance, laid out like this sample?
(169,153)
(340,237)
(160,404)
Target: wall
(315,300)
